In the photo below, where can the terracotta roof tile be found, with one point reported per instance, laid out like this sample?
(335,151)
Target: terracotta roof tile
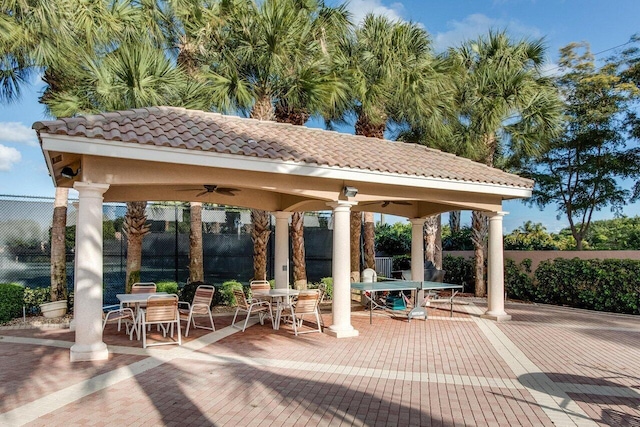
(212,132)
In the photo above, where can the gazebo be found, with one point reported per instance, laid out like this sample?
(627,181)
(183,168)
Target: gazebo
(163,153)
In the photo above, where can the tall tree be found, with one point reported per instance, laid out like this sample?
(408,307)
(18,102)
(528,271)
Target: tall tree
(58,246)
(392,78)
(505,108)
(270,59)
(196,258)
(135,227)
(580,173)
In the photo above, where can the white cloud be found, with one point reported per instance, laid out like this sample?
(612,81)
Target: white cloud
(478,24)
(17,132)
(8,157)
(360,8)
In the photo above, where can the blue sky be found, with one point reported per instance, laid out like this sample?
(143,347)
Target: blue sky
(604,24)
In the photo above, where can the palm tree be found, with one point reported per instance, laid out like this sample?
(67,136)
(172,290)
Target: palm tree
(196,256)
(392,77)
(58,246)
(270,60)
(505,107)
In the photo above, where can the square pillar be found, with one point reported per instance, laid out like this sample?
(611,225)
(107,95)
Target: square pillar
(341,270)
(495,270)
(281,256)
(89,277)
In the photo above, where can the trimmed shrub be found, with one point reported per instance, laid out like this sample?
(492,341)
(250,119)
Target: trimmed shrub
(168,287)
(607,285)
(518,281)
(33,297)
(459,271)
(328,283)
(226,291)
(11,300)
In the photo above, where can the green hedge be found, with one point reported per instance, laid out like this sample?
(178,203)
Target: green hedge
(11,300)
(606,285)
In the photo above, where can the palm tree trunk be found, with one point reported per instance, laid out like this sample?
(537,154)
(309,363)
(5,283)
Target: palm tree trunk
(369,241)
(438,253)
(430,231)
(135,226)
(454,221)
(58,249)
(356,225)
(260,233)
(196,259)
(366,127)
(297,243)
(479,238)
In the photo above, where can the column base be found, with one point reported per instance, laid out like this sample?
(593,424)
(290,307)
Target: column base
(84,353)
(341,333)
(498,317)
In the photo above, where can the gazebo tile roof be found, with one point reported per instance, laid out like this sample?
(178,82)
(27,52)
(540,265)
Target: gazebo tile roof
(213,132)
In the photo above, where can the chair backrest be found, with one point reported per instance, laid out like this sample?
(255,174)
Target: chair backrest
(143,288)
(204,295)
(241,300)
(322,288)
(161,308)
(307,301)
(260,285)
(369,275)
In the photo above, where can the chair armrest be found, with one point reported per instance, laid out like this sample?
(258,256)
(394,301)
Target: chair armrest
(110,307)
(184,303)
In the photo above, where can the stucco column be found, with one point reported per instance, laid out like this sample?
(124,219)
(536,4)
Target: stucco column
(282,250)
(341,271)
(417,249)
(417,254)
(495,270)
(88,279)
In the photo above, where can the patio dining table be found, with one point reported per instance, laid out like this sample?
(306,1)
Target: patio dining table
(282,297)
(136,299)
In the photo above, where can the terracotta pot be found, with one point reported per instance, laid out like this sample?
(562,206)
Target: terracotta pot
(54,309)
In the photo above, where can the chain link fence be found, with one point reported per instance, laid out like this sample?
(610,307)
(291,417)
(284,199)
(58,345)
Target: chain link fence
(25,227)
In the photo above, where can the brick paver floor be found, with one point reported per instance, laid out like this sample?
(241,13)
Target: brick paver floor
(548,366)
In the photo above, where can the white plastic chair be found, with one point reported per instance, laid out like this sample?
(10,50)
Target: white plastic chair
(307,303)
(115,313)
(199,307)
(162,310)
(250,306)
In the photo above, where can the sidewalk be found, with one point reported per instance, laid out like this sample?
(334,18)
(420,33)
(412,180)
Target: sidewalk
(548,366)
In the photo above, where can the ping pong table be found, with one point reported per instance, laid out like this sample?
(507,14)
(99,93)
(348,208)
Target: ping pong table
(405,285)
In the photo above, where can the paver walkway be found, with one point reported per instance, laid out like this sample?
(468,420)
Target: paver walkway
(548,366)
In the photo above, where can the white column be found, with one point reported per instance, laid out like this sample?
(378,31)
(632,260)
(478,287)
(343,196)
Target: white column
(495,270)
(341,271)
(417,249)
(417,254)
(282,250)
(88,279)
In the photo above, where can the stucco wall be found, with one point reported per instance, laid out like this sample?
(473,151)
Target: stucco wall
(537,256)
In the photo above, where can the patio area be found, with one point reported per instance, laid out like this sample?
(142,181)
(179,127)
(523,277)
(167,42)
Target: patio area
(548,366)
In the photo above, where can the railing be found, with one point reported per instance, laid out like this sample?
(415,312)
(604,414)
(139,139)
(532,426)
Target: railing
(384,266)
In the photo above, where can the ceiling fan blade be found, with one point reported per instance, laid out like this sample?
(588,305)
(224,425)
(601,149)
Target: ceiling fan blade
(202,193)
(402,203)
(226,191)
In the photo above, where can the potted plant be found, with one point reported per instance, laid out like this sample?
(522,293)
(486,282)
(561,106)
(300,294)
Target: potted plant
(54,309)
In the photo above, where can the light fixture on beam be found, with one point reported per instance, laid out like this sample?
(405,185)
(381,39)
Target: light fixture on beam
(68,173)
(349,191)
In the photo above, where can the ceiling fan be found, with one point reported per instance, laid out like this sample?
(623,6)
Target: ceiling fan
(209,188)
(386,203)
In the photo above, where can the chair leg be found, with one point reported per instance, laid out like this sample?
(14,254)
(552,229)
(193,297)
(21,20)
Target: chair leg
(144,336)
(213,326)
(179,336)
(295,323)
(318,320)
(246,320)
(189,319)
(233,322)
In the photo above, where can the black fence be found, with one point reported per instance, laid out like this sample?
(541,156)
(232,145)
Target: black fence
(25,224)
